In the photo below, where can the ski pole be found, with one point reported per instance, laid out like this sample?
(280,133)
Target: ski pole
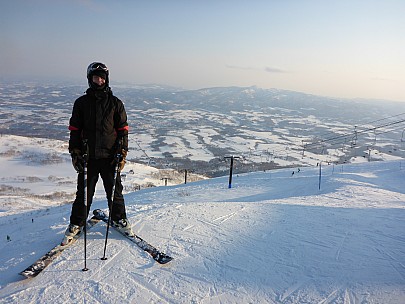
(116,171)
(85,157)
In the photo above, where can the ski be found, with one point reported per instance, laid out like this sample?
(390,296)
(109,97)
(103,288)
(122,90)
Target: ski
(157,255)
(38,266)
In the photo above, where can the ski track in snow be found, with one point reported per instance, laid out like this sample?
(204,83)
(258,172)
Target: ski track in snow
(272,238)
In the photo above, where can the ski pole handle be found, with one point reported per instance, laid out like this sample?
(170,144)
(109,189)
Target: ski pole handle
(85,150)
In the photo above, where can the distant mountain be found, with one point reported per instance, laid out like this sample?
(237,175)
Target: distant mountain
(196,129)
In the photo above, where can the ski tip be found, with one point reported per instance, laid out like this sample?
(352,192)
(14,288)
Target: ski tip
(164,259)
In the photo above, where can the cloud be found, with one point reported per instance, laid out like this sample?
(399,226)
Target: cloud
(266,69)
(240,68)
(274,70)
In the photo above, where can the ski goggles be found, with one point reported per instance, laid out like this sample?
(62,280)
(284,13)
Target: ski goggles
(97,66)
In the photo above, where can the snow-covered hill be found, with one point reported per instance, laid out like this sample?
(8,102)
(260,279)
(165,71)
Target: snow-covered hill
(196,129)
(37,172)
(274,237)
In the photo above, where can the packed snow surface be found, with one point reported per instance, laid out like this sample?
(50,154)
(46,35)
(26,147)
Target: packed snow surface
(274,237)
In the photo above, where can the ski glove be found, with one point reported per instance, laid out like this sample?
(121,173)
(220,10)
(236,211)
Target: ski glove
(77,160)
(121,161)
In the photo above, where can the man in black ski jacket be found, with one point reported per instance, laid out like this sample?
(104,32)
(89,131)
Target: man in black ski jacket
(99,129)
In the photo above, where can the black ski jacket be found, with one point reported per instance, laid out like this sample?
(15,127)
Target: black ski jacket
(99,117)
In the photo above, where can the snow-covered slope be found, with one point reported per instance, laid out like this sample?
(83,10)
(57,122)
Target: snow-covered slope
(274,237)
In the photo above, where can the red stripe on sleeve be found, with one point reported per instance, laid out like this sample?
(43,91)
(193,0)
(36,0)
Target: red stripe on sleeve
(126,128)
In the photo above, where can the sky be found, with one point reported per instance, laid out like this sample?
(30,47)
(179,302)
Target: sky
(344,49)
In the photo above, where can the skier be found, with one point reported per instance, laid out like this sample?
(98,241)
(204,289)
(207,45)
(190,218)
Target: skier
(99,118)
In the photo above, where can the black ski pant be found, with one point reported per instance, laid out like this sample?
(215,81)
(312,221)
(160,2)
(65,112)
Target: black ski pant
(105,169)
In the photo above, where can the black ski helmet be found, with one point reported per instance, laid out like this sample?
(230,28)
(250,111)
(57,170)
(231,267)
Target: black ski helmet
(99,69)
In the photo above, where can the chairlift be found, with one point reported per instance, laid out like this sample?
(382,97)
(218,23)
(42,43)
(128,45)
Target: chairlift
(353,142)
(354,139)
(402,136)
(375,137)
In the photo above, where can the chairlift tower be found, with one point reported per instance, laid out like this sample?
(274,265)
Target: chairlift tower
(231,169)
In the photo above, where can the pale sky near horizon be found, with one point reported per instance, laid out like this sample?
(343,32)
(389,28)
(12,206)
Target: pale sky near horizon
(340,48)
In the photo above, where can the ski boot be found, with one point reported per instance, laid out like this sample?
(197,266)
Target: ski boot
(124,226)
(70,233)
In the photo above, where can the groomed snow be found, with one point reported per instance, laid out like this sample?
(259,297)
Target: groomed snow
(272,238)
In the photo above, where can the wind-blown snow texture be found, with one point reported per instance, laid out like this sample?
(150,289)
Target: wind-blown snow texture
(273,238)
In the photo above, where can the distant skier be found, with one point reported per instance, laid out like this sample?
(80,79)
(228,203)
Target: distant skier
(100,118)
